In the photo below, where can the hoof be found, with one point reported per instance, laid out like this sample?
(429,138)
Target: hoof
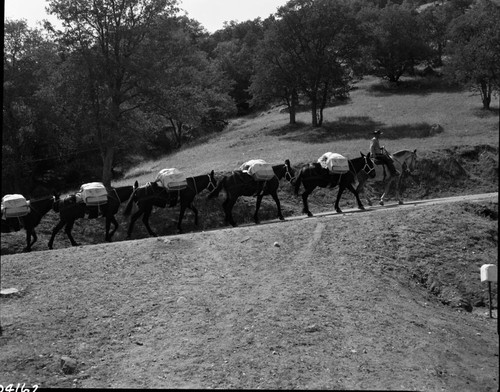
(401,202)
(310,215)
(361,207)
(381,203)
(281,218)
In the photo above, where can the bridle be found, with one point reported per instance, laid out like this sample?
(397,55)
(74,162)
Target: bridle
(370,169)
(288,176)
(210,182)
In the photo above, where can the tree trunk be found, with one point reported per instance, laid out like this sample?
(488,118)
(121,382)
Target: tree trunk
(314,112)
(177,131)
(485,88)
(293,107)
(107,154)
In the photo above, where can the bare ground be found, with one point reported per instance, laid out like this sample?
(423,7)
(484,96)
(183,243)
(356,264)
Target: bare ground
(340,301)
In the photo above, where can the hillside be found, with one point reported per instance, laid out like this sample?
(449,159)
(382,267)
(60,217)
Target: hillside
(389,298)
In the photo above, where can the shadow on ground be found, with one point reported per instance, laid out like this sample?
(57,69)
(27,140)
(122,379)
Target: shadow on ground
(347,128)
(417,86)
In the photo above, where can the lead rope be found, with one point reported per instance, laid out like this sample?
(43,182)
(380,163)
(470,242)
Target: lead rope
(117,196)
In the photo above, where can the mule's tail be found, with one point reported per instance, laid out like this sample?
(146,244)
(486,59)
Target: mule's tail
(217,190)
(129,205)
(296,185)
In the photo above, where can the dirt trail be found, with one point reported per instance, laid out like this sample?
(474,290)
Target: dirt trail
(229,309)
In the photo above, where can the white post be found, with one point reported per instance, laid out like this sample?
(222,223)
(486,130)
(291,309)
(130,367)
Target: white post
(489,274)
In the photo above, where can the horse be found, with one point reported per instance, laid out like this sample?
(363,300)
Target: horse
(405,162)
(151,194)
(313,175)
(38,209)
(240,183)
(70,210)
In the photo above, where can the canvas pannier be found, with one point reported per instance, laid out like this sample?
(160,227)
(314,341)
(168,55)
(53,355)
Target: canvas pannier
(94,194)
(172,179)
(14,206)
(335,163)
(259,169)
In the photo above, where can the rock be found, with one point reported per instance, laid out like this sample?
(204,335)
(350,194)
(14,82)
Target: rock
(312,328)
(68,365)
(9,292)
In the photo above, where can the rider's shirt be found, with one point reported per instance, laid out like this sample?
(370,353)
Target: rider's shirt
(375,147)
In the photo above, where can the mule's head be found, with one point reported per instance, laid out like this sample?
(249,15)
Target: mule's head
(289,172)
(411,161)
(212,181)
(369,167)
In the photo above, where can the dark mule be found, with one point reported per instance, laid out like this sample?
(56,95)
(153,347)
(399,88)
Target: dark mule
(70,210)
(151,194)
(38,208)
(240,183)
(313,175)
(405,162)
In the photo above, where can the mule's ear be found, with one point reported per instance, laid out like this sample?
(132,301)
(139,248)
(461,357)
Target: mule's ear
(362,154)
(287,162)
(136,184)
(212,173)
(415,151)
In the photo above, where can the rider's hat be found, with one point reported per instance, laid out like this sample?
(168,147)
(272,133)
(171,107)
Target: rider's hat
(377,132)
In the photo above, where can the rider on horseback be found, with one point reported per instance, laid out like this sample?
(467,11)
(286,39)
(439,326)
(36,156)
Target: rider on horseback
(380,154)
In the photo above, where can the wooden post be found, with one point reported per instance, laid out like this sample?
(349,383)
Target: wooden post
(489,292)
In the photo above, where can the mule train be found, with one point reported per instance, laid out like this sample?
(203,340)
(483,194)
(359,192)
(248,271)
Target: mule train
(254,178)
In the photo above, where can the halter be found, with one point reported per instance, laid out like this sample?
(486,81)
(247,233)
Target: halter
(287,173)
(209,181)
(118,197)
(370,169)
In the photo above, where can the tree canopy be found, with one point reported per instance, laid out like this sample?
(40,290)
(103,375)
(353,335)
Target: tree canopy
(120,76)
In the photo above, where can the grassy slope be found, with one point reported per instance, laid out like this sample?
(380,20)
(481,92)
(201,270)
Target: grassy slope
(404,116)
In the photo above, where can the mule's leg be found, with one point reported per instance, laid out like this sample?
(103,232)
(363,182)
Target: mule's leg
(68,228)
(278,205)
(386,190)
(257,207)
(145,220)
(228,208)
(398,194)
(181,217)
(337,200)
(305,208)
(133,218)
(362,191)
(354,191)
(195,211)
(110,220)
(107,227)
(29,244)
(55,230)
